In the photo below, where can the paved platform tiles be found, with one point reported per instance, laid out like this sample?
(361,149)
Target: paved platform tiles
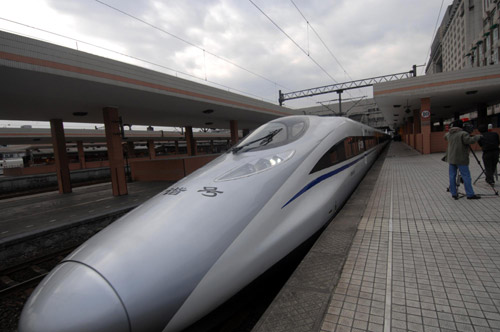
(28,215)
(419,260)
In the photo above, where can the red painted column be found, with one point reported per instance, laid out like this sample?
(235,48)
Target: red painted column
(81,154)
(151,149)
(409,129)
(233,125)
(416,128)
(190,143)
(115,150)
(60,155)
(425,118)
(131,149)
(416,122)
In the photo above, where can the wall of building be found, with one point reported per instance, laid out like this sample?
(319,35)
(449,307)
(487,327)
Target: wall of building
(467,37)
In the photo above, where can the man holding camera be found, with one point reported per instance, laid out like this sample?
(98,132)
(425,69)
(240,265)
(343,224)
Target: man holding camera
(457,155)
(489,142)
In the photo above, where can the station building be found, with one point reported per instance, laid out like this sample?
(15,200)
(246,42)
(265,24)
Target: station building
(467,37)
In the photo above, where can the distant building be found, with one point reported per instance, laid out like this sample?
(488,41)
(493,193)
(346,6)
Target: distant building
(467,37)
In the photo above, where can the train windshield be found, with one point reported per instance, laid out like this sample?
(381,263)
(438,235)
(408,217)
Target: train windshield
(273,134)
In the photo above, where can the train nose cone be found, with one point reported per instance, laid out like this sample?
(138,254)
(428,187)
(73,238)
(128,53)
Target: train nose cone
(74,298)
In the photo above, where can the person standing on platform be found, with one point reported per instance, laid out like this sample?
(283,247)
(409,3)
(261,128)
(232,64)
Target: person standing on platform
(489,142)
(457,155)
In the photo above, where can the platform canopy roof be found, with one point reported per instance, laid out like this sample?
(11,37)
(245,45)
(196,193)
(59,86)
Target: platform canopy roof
(460,91)
(42,81)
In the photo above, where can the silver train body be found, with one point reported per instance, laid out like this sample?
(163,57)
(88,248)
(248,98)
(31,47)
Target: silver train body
(187,250)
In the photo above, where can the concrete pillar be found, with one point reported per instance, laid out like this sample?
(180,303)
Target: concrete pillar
(151,149)
(176,147)
(60,155)
(402,130)
(233,125)
(131,149)
(190,143)
(409,130)
(416,122)
(425,119)
(115,151)
(416,126)
(81,154)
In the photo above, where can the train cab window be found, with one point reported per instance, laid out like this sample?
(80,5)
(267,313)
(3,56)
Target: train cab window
(273,134)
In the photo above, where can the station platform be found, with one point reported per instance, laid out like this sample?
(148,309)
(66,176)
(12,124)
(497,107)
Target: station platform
(28,216)
(402,255)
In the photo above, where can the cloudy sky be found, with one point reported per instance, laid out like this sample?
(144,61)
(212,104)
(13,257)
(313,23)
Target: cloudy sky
(251,47)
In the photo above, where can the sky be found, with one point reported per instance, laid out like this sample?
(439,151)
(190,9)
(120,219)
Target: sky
(250,47)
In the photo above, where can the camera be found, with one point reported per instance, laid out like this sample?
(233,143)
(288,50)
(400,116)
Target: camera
(468,127)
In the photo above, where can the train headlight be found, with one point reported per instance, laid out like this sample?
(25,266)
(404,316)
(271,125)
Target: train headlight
(256,166)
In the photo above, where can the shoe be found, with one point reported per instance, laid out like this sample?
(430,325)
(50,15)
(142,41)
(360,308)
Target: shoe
(474,197)
(455,196)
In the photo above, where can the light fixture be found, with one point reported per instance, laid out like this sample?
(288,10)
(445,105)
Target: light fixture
(471,92)
(80,113)
(209,111)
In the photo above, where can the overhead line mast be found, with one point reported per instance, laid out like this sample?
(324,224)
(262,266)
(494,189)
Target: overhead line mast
(340,87)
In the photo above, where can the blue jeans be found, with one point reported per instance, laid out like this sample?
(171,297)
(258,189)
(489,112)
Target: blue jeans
(464,172)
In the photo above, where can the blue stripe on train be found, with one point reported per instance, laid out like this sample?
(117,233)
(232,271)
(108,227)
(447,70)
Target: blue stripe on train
(324,177)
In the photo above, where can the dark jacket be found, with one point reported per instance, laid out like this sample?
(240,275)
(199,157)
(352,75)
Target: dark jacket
(489,141)
(458,146)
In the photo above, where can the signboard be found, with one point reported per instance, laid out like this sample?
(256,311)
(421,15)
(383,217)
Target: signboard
(426,114)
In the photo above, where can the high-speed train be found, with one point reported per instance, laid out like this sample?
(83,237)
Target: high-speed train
(178,256)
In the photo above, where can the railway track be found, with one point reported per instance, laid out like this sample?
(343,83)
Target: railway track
(28,274)
(18,282)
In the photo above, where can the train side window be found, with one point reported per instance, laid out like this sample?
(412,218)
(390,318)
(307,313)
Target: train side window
(348,148)
(335,155)
(370,142)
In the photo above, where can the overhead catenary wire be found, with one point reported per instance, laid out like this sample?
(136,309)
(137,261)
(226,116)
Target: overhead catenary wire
(292,40)
(321,40)
(324,44)
(191,44)
(434,33)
